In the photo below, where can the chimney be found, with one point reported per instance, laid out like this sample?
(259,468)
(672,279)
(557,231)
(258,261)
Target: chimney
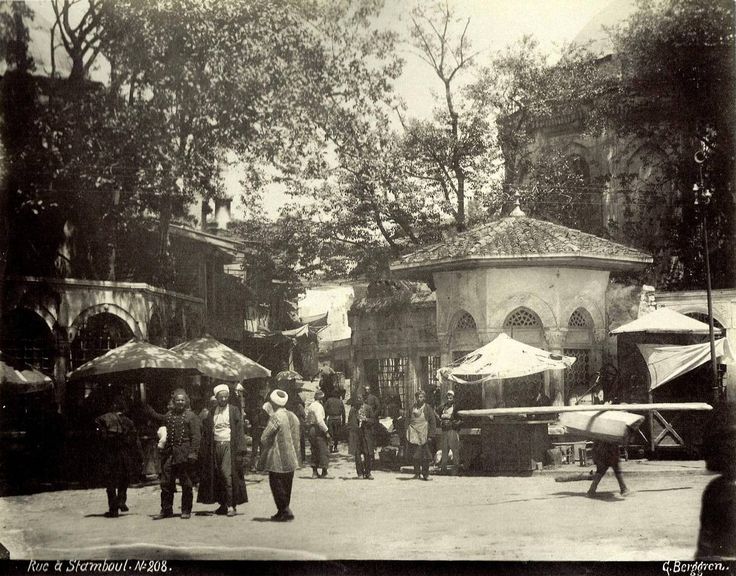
(222,212)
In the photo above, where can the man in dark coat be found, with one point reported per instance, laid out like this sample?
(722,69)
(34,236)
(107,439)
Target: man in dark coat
(365,441)
(179,454)
(222,456)
(121,456)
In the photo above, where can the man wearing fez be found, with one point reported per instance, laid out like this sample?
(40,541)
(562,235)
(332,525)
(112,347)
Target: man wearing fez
(222,456)
(179,454)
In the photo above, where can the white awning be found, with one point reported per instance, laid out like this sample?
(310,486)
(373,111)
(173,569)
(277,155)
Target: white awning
(666,363)
(504,357)
(665,320)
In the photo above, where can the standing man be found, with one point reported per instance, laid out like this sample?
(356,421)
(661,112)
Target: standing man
(222,456)
(279,445)
(335,411)
(318,435)
(365,442)
(372,400)
(422,426)
(179,454)
(121,456)
(449,424)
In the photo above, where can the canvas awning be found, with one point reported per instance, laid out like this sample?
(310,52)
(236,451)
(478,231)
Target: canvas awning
(504,357)
(17,377)
(220,362)
(132,356)
(666,363)
(665,321)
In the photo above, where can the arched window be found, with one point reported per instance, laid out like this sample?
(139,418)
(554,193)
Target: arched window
(522,318)
(465,322)
(26,336)
(578,319)
(97,335)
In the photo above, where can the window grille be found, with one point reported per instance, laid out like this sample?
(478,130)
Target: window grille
(98,335)
(577,378)
(430,365)
(392,376)
(578,320)
(522,318)
(465,322)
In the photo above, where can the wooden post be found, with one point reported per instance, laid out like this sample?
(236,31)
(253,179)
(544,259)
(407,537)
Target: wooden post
(650,415)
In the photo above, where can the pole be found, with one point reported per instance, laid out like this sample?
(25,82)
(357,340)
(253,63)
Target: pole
(713,361)
(702,196)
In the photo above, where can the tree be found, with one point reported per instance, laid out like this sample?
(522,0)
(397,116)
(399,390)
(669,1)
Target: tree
(191,83)
(668,84)
(451,150)
(677,88)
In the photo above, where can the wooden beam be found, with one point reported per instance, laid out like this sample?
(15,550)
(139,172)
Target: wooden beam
(701,406)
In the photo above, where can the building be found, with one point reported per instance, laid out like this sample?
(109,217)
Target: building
(57,324)
(541,283)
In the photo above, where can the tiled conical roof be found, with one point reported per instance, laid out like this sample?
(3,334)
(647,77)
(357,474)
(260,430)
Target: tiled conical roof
(522,241)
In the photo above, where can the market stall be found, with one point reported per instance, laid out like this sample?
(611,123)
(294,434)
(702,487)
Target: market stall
(664,356)
(496,375)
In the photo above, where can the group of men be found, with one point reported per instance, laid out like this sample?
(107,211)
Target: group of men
(211,449)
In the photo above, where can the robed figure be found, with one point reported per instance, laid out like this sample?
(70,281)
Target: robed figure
(212,488)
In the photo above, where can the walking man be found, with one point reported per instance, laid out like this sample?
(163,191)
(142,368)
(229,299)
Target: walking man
(121,456)
(179,454)
(606,454)
(422,426)
(335,411)
(222,456)
(279,446)
(318,435)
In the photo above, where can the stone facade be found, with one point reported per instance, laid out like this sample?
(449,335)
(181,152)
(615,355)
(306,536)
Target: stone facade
(57,324)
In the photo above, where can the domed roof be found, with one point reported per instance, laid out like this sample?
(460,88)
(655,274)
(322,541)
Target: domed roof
(521,241)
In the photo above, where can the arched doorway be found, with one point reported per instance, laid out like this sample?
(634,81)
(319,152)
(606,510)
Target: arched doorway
(26,336)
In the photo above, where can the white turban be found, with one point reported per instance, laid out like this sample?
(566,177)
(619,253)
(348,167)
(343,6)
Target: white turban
(221,388)
(279,397)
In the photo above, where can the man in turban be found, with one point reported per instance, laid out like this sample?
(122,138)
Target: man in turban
(280,444)
(222,456)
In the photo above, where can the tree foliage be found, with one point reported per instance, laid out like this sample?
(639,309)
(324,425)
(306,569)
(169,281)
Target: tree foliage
(667,86)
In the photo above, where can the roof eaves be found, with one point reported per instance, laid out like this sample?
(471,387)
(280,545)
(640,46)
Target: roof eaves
(515,260)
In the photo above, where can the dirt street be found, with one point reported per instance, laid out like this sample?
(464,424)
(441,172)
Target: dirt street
(391,517)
